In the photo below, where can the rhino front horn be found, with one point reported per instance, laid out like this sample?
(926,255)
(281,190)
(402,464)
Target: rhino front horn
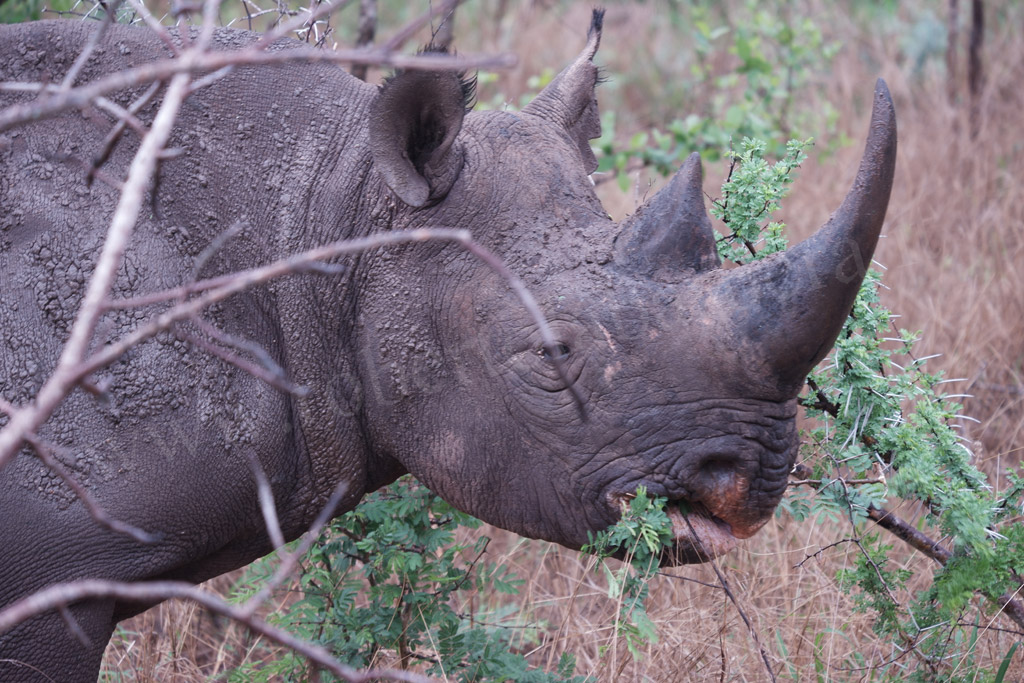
(790,308)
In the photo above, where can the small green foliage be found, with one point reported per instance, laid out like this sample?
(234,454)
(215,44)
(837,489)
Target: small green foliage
(640,536)
(750,197)
(385,580)
(876,581)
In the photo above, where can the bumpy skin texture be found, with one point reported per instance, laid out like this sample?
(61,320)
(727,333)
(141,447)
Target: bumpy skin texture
(417,358)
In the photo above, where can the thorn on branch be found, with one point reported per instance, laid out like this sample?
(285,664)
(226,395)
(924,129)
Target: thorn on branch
(99,389)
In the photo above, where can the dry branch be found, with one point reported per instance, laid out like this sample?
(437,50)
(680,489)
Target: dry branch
(195,62)
(62,595)
(26,420)
(366,34)
(90,46)
(1008,604)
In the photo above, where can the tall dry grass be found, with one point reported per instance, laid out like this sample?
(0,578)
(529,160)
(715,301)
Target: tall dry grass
(953,240)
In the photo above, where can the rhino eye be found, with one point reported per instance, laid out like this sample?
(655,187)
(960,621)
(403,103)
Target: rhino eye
(561,348)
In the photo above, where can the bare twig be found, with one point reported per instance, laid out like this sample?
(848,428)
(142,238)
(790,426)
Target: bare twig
(127,118)
(404,34)
(73,625)
(90,46)
(215,245)
(291,560)
(444,33)
(194,62)
(732,598)
(265,368)
(266,497)
(154,24)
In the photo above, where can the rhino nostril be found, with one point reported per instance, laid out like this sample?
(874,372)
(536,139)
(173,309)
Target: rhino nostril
(717,474)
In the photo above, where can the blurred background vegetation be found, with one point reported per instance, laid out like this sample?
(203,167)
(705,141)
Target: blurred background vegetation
(684,76)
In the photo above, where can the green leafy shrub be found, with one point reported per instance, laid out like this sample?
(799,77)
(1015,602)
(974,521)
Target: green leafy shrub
(384,582)
(641,534)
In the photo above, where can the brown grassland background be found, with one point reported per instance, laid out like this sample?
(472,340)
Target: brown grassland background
(953,245)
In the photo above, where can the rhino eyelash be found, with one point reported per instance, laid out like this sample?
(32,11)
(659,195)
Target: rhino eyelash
(563,352)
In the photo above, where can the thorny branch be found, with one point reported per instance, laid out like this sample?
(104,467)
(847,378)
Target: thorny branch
(1008,604)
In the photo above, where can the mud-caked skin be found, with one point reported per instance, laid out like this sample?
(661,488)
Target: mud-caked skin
(416,359)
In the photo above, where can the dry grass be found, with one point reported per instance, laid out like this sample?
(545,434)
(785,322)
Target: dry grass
(954,239)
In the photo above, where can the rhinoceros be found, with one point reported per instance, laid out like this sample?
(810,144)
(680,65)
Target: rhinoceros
(415,358)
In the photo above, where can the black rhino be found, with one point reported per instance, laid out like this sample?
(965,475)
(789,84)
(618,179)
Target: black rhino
(416,358)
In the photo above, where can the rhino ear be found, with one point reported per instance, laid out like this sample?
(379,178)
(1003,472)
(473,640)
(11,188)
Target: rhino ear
(570,101)
(413,124)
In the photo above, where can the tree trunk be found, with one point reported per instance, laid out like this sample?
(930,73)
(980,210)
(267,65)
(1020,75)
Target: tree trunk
(367,32)
(952,40)
(975,74)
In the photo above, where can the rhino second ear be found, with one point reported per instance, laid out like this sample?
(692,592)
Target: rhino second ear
(413,124)
(570,101)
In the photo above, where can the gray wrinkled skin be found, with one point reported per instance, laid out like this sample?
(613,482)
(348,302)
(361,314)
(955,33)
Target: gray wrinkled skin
(417,359)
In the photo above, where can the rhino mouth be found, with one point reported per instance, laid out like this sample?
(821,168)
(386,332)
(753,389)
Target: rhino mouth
(698,535)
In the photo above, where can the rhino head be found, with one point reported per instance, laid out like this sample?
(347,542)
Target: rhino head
(689,372)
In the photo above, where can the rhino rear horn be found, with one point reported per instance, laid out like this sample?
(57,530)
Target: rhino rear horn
(413,124)
(570,99)
(792,306)
(670,236)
